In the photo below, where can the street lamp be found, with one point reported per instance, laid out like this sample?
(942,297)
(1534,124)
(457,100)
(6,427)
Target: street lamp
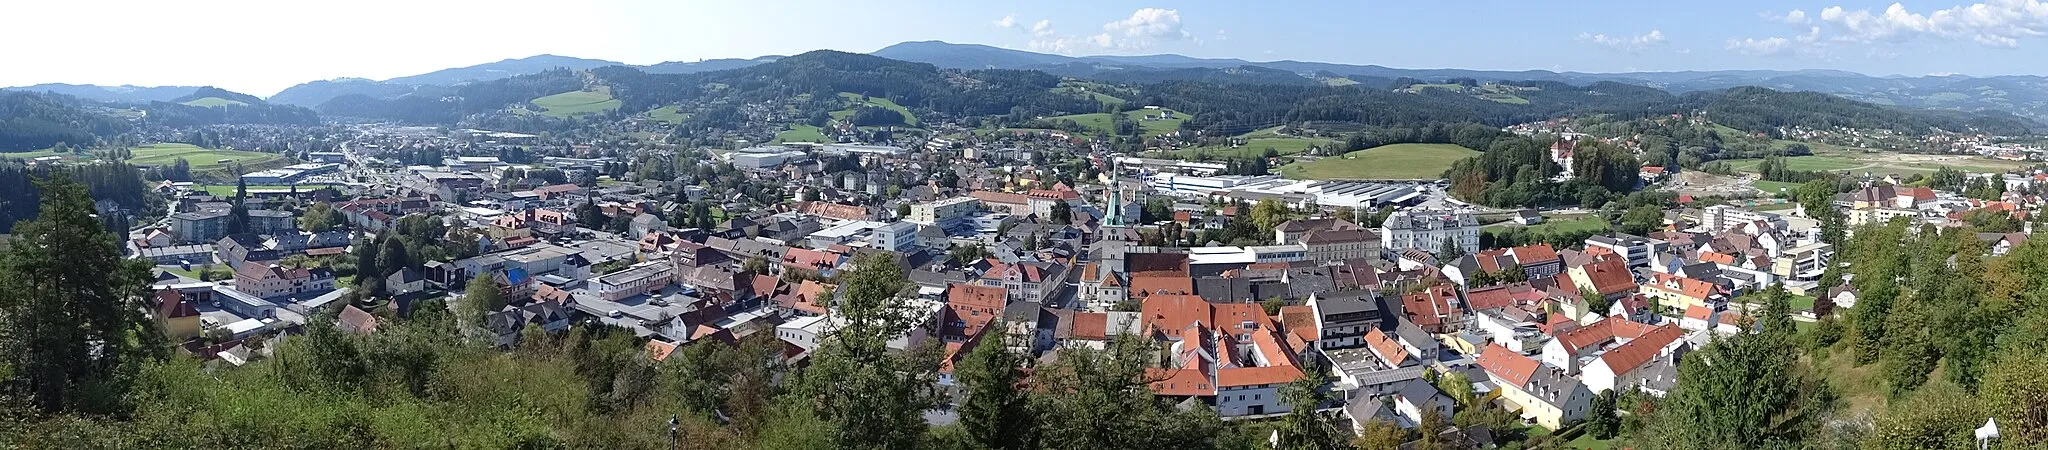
(674,423)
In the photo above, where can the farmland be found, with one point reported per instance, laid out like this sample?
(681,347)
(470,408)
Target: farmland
(1253,147)
(879,102)
(1387,162)
(200,158)
(1100,123)
(1884,163)
(576,103)
(802,133)
(671,114)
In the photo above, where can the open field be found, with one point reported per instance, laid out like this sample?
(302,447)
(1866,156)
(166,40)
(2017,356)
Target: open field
(1089,89)
(670,114)
(1883,163)
(214,102)
(1774,187)
(226,190)
(1254,147)
(1100,123)
(802,133)
(1556,225)
(1386,162)
(576,103)
(200,158)
(908,118)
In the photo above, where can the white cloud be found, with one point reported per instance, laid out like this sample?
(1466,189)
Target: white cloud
(1771,46)
(1795,17)
(1009,21)
(1221,35)
(1144,28)
(1042,29)
(1993,23)
(1624,43)
(1149,23)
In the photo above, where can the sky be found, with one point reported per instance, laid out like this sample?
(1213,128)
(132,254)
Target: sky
(261,47)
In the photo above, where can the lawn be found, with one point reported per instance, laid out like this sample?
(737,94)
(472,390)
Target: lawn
(1586,441)
(214,102)
(802,133)
(1084,89)
(908,118)
(1881,163)
(1254,147)
(228,190)
(1387,162)
(576,103)
(165,154)
(1100,123)
(1556,226)
(670,114)
(1814,162)
(1775,187)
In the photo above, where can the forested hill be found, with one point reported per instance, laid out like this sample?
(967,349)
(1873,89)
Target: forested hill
(1223,101)
(1760,109)
(32,120)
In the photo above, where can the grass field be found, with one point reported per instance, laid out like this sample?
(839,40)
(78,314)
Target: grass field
(1084,88)
(1556,225)
(229,189)
(908,118)
(1773,187)
(670,114)
(1254,147)
(576,103)
(1101,123)
(1880,163)
(214,102)
(1387,162)
(200,158)
(802,133)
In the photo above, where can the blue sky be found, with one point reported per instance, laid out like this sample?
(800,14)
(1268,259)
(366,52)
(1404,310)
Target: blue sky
(264,46)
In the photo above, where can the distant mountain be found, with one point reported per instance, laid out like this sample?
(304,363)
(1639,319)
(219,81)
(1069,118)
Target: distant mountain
(313,93)
(38,120)
(706,65)
(120,94)
(206,92)
(968,56)
(501,69)
(2024,95)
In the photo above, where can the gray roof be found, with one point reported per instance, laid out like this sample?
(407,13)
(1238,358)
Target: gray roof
(1344,302)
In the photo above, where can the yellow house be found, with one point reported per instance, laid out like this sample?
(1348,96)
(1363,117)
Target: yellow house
(1542,393)
(177,315)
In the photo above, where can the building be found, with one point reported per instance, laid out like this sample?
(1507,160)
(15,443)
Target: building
(194,254)
(950,214)
(1344,317)
(1428,230)
(1544,394)
(199,226)
(639,279)
(1636,250)
(275,281)
(1340,245)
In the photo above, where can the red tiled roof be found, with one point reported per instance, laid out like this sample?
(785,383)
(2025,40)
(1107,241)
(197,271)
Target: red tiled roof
(1634,353)
(1091,326)
(1507,365)
(659,350)
(1386,348)
(1300,321)
(1529,255)
(1254,376)
(987,299)
(1610,276)
(1144,286)
(1000,197)
(1192,381)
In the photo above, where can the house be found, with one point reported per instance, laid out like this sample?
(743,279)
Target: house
(1027,281)
(275,281)
(1544,394)
(1679,292)
(405,281)
(1417,397)
(1231,356)
(1528,217)
(1630,363)
(1343,317)
(1291,231)
(177,313)
(355,320)
(1436,309)
(1843,294)
(1607,277)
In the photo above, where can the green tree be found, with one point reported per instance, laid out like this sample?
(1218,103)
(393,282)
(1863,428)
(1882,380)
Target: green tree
(1062,214)
(1940,416)
(868,395)
(1304,427)
(1642,220)
(1742,392)
(481,297)
(72,333)
(319,217)
(1459,387)
(902,210)
(1601,420)
(997,414)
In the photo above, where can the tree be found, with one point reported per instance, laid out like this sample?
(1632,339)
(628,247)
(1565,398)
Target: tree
(1458,386)
(480,298)
(1449,251)
(391,257)
(1380,434)
(1744,391)
(1268,214)
(1601,420)
(1304,427)
(868,395)
(902,210)
(997,414)
(1062,214)
(72,333)
(318,218)
(1642,220)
